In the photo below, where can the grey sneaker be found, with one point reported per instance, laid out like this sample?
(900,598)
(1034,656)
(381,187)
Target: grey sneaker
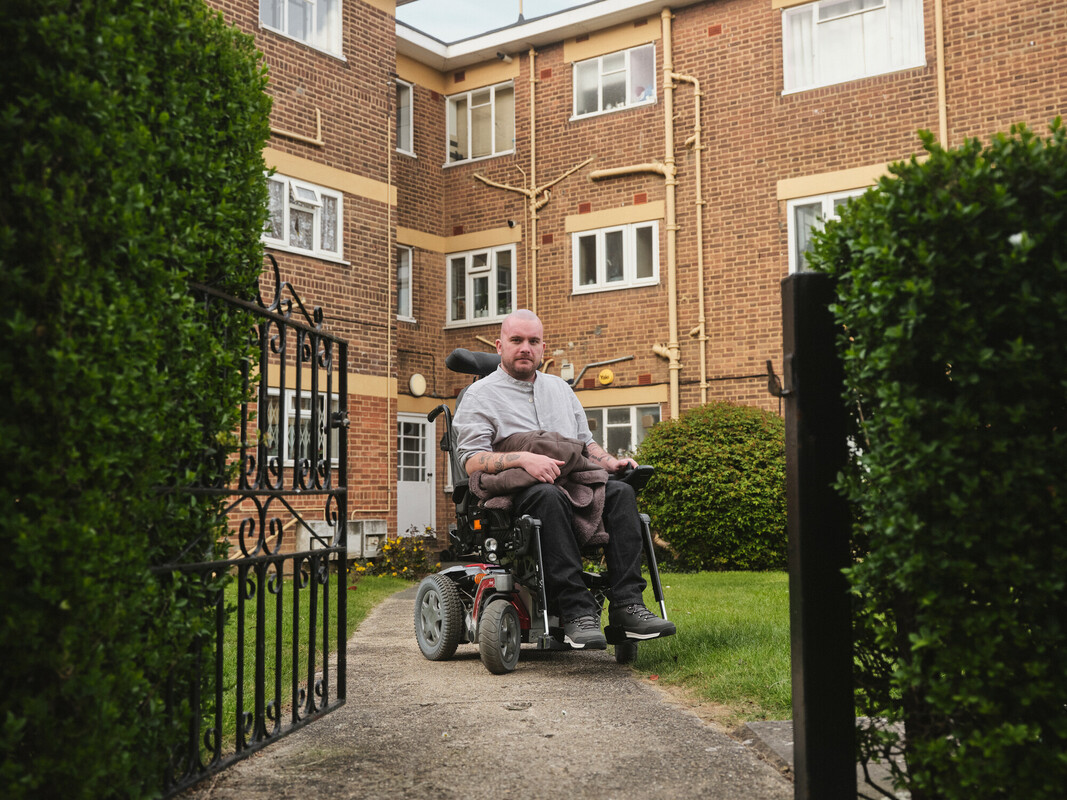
(583,633)
(637,622)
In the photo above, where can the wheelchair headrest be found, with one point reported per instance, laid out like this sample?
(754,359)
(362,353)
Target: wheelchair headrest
(470,363)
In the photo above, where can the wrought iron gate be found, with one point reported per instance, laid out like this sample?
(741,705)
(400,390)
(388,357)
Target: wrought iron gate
(288,569)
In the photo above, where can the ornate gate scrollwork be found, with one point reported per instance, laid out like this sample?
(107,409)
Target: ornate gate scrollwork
(289,466)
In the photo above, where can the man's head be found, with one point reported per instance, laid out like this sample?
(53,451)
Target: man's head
(521,344)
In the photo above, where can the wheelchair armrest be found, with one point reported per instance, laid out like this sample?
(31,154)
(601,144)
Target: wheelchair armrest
(637,476)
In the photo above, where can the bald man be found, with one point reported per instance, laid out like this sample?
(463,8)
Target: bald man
(519,399)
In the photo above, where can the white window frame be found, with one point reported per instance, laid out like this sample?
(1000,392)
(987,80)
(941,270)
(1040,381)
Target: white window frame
(405,303)
(476,265)
(453,156)
(286,402)
(405,104)
(303,198)
(827,210)
(629,279)
(598,64)
(635,424)
(325,22)
(885,36)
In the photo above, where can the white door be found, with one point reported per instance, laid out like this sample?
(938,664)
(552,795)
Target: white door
(414,474)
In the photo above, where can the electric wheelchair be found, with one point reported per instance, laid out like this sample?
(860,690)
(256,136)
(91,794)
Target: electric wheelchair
(496,597)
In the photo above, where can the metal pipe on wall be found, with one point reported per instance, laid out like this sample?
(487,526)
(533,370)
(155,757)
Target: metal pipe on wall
(700,331)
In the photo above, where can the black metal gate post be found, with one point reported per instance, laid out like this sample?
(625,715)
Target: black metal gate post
(824,724)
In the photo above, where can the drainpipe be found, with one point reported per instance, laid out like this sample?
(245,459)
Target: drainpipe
(700,331)
(942,100)
(532,246)
(674,364)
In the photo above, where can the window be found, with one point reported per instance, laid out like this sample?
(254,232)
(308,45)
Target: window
(405,141)
(481,285)
(314,22)
(616,258)
(618,80)
(403,284)
(833,41)
(303,218)
(808,215)
(621,429)
(289,425)
(481,123)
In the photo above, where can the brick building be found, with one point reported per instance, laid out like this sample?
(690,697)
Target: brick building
(642,176)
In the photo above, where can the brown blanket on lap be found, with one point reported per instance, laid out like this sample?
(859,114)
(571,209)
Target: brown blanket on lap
(581,479)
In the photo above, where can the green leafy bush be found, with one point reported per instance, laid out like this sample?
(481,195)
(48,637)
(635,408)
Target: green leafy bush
(952,286)
(130,137)
(718,495)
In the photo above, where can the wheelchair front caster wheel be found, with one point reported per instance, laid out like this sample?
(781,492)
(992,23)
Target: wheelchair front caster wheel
(626,653)
(499,637)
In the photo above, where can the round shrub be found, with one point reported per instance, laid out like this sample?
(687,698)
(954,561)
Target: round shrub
(718,494)
(952,286)
(131,134)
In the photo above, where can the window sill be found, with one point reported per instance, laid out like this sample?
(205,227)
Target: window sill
(448,164)
(813,87)
(409,320)
(481,321)
(409,153)
(309,253)
(597,289)
(315,47)
(578,117)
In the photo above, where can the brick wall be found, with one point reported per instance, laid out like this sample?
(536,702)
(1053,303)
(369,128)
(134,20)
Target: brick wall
(1005,61)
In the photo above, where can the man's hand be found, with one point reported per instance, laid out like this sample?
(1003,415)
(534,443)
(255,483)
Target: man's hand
(543,468)
(608,462)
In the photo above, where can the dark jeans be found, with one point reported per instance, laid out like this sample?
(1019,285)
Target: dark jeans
(563,559)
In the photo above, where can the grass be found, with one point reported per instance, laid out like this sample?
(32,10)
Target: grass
(731,652)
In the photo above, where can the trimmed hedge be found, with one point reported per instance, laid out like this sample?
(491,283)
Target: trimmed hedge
(131,134)
(952,286)
(718,494)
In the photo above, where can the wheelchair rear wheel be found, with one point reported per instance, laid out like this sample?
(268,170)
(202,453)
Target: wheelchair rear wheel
(438,617)
(499,637)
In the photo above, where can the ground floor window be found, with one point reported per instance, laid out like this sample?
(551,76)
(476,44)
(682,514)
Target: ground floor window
(620,429)
(292,432)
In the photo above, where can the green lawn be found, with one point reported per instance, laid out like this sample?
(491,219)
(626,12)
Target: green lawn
(732,646)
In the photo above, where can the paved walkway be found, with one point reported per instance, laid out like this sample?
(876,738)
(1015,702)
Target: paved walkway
(564,724)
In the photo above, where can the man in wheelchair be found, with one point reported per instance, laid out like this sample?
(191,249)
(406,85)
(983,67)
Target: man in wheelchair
(517,399)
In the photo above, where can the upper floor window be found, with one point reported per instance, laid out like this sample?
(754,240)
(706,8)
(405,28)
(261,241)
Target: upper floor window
(403,284)
(616,258)
(481,123)
(405,140)
(810,214)
(314,22)
(304,218)
(833,41)
(620,429)
(614,81)
(481,285)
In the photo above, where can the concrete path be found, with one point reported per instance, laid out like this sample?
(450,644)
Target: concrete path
(564,724)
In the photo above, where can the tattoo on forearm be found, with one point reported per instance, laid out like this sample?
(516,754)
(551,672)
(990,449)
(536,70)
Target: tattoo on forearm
(495,462)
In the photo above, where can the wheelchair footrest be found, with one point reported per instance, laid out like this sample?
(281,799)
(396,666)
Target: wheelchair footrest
(615,634)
